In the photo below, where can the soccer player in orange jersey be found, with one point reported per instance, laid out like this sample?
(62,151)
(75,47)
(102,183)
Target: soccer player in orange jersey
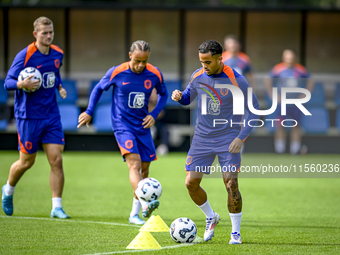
(133,83)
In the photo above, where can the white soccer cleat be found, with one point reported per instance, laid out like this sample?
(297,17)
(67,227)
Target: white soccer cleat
(235,238)
(210,227)
(136,220)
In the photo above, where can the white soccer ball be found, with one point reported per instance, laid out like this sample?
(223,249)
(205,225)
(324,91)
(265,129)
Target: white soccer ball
(149,189)
(183,230)
(28,71)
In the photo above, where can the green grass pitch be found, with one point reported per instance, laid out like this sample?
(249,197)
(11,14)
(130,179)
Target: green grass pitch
(280,215)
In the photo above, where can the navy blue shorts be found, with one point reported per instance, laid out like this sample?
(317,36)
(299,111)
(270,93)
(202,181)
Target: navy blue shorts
(202,154)
(31,132)
(141,144)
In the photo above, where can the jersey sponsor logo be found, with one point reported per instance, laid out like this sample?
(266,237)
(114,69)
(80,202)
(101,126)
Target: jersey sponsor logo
(57,63)
(224,91)
(39,66)
(124,83)
(128,144)
(28,145)
(48,80)
(214,107)
(136,99)
(213,90)
(189,160)
(147,84)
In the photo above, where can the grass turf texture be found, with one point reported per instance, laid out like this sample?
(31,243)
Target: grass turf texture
(280,215)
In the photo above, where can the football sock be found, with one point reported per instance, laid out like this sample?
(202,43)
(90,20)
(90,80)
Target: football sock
(9,190)
(206,209)
(280,145)
(143,203)
(295,147)
(56,202)
(235,221)
(135,207)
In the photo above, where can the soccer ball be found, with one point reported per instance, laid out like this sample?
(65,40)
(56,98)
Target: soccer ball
(28,71)
(183,230)
(149,189)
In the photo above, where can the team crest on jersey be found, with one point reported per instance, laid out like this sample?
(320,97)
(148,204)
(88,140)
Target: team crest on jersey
(57,63)
(214,107)
(136,99)
(147,84)
(48,80)
(224,91)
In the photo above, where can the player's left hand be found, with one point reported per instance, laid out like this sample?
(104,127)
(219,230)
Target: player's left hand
(236,145)
(62,92)
(149,121)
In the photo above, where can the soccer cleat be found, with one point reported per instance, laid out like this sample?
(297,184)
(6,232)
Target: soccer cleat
(235,238)
(150,207)
(58,212)
(7,202)
(210,227)
(136,220)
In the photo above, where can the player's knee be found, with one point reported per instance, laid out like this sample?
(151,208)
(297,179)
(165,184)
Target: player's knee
(232,185)
(191,184)
(133,163)
(57,162)
(145,172)
(27,164)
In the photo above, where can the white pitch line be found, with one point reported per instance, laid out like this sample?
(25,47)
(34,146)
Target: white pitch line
(68,220)
(130,251)
(197,240)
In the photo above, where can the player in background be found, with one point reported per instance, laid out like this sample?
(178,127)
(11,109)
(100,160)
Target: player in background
(239,61)
(288,74)
(222,140)
(133,83)
(37,114)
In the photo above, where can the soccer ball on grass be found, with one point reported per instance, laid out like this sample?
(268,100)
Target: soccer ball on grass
(183,230)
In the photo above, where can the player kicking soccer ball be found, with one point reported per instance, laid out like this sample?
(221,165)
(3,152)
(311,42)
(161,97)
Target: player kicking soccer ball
(133,83)
(210,140)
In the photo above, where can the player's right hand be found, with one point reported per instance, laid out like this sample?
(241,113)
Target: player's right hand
(84,118)
(176,95)
(28,84)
